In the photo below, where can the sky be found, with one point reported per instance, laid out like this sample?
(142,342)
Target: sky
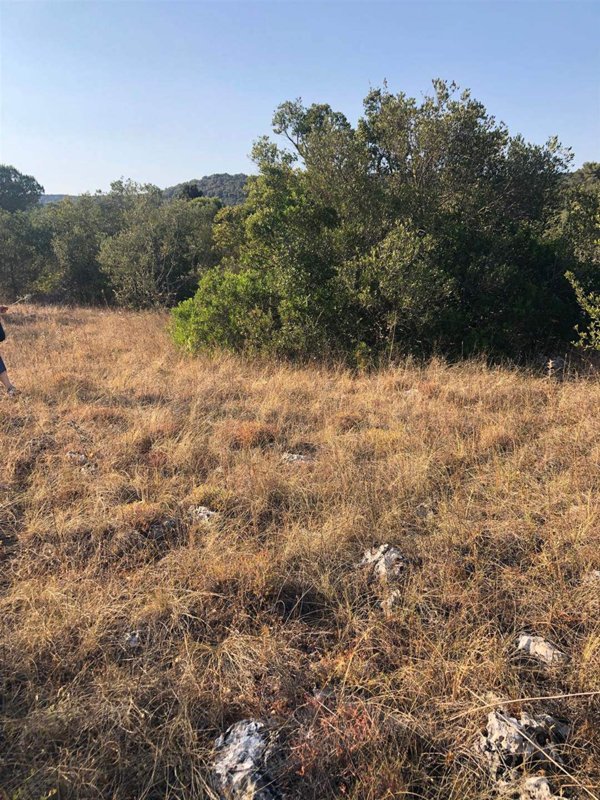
(162,92)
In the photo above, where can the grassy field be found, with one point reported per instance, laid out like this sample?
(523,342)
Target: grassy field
(132,633)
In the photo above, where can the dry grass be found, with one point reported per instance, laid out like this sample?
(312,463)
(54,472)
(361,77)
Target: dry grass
(487,479)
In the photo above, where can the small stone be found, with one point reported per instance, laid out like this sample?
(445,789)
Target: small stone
(387,561)
(133,640)
(424,511)
(161,529)
(325,695)
(555,367)
(540,649)
(240,764)
(296,458)
(391,602)
(201,513)
(537,789)
(593,578)
(77,458)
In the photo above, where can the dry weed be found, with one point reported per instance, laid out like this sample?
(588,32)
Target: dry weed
(132,635)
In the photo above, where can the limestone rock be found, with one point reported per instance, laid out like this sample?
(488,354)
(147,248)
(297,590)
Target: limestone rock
(424,511)
(539,648)
(555,367)
(592,578)
(201,513)
(82,460)
(537,789)
(391,602)
(387,562)
(240,763)
(509,744)
(77,458)
(133,640)
(387,566)
(296,458)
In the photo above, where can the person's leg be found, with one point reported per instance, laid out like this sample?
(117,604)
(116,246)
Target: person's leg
(5,379)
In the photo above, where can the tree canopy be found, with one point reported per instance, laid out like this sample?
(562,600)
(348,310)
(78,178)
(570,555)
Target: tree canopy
(18,192)
(425,227)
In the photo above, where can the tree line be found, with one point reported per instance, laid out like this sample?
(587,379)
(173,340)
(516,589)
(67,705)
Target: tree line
(129,246)
(426,227)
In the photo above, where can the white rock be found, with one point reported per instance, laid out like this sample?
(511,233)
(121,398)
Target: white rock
(239,767)
(296,458)
(77,458)
(85,465)
(391,602)
(201,513)
(555,366)
(537,789)
(133,640)
(511,744)
(540,649)
(424,511)
(387,561)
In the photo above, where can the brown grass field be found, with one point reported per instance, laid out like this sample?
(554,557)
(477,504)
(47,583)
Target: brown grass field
(487,479)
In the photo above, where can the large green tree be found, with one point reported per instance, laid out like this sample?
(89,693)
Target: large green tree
(18,192)
(72,270)
(420,228)
(21,254)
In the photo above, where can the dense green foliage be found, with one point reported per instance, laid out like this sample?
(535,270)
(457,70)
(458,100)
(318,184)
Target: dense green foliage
(128,246)
(580,224)
(161,250)
(426,227)
(18,192)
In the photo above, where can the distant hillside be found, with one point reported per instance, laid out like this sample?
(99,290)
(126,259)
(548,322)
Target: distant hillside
(53,198)
(228,188)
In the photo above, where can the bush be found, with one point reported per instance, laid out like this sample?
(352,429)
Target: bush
(229,310)
(590,305)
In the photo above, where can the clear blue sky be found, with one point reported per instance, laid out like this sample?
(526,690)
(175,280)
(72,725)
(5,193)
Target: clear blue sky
(166,91)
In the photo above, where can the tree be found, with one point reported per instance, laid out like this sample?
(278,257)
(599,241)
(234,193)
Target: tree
(20,262)
(422,228)
(228,188)
(589,302)
(161,250)
(18,192)
(77,229)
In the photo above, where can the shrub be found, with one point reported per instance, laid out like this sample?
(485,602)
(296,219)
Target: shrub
(590,305)
(229,310)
